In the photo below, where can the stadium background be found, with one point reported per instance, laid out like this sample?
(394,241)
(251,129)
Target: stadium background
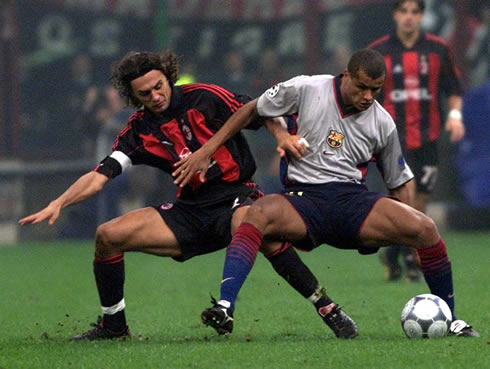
(48,138)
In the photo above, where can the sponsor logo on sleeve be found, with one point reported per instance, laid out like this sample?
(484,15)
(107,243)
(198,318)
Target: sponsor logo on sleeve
(401,161)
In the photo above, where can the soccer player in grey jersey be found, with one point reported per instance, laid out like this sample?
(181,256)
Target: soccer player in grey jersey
(325,200)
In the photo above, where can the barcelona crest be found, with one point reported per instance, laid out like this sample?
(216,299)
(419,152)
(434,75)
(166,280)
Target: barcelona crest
(334,139)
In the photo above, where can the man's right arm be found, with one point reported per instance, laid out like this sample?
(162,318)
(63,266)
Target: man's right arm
(286,142)
(198,161)
(86,186)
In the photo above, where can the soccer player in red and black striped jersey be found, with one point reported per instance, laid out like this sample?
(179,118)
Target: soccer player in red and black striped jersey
(420,75)
(170,123)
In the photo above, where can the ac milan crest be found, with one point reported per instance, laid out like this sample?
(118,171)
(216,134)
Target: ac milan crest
(166,206)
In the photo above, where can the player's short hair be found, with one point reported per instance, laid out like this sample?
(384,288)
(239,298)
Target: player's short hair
(368,60)
(398,4)
(136,64)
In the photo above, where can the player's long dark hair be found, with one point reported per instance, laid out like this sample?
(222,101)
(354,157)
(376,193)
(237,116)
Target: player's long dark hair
(136,64)
(398,4)
(370,61)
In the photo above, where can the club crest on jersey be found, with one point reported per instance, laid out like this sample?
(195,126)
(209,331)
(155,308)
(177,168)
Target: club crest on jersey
(271,92)
(184,153)
(335,139)
(187,132)
(166,206)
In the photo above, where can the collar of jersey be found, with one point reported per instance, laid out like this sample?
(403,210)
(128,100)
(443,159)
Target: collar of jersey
(397,41)
(344,111)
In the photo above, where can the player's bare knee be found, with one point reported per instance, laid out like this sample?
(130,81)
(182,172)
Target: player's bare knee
(258,216)
(105,243)
(428,233)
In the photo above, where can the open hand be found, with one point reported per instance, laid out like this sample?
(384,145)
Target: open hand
(50,212)
(197,162)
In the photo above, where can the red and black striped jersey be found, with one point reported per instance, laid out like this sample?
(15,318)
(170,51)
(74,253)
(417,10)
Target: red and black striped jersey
(417,81)
(195,113)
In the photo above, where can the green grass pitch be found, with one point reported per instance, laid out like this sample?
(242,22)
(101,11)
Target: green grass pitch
(48,294)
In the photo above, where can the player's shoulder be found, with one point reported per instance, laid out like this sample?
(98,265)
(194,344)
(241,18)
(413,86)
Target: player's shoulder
(135,124)
(135,119)
(381,42)
(310,80)
(434,39)
(200,95)
(137,115)
(193,90)
(382,116)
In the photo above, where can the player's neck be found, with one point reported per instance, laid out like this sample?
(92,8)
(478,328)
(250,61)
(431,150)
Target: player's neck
(408,39)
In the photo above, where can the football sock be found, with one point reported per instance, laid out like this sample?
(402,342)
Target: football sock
(240,257)
(109,277)
(437,271)
(287,263)
(323,304)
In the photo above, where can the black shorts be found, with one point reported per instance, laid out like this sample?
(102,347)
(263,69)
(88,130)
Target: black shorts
(333,213)
(424,163)
(202,229)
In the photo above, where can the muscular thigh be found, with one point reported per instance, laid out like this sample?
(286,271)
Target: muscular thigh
(276,218)
(141,230)
(268,247)
(392,222)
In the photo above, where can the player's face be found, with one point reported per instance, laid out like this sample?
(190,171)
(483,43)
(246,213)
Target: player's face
(153,90)
(360,90)
(408,17)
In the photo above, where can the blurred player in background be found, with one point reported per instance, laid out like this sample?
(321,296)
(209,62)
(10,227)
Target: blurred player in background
(170,123)
(325,199)
(420,74)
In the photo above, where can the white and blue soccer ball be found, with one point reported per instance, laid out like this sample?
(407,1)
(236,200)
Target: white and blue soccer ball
(426,316)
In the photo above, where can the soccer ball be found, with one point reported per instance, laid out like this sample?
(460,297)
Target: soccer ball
(426,316)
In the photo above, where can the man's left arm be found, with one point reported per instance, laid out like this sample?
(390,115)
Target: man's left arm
(286,142)
(397,175)
(454,123)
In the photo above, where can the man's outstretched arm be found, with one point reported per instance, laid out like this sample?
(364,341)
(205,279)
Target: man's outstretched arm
(86,186)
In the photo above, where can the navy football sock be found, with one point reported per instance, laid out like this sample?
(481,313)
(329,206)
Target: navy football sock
(109,276)
(437,271)
(240,257)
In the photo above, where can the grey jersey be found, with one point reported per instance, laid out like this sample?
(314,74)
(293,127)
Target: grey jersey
(341,144)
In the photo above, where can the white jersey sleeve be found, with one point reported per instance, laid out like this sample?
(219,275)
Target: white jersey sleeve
(391,162)
(280,99)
